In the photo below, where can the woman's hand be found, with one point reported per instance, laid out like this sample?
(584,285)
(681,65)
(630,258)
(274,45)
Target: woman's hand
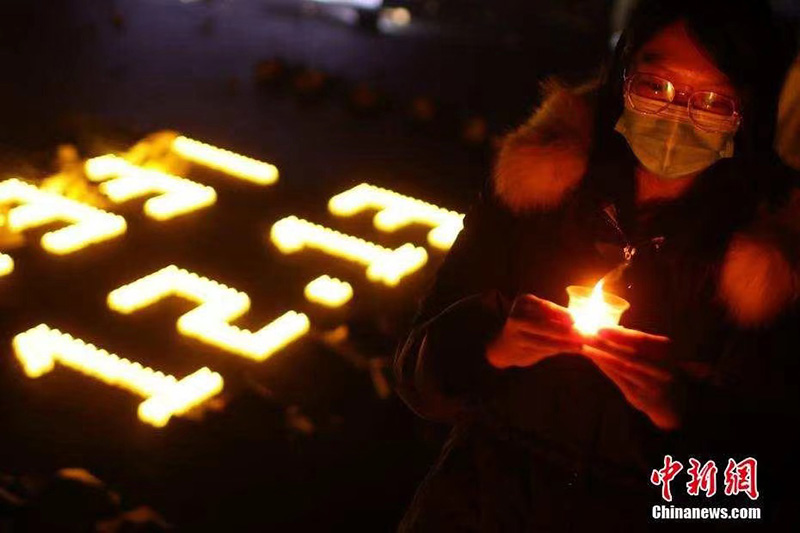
(640,365)
(535,329)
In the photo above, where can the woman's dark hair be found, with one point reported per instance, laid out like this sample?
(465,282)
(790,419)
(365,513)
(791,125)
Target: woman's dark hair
(747,44)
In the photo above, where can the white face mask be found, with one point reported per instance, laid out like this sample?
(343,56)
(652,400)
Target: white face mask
(669,145)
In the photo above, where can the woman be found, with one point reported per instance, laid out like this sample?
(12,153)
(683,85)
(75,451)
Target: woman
(664,174)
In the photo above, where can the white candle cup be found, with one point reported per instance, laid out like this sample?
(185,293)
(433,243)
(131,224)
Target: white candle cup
(593,309)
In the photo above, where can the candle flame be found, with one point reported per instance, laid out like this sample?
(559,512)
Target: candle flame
(593,314)
(597,294)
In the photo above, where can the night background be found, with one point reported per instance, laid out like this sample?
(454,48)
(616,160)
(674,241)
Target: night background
(412,98)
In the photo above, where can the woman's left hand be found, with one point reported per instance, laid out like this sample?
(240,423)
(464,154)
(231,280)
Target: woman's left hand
(640,365)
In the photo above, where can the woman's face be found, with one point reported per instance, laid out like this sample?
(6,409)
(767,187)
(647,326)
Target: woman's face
(681,112)
(673,55)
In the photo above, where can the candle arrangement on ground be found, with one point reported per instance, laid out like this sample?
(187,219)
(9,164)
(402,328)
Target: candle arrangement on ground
(148,173)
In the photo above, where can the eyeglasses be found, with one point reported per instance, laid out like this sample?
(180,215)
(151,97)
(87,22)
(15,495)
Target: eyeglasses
(708,110)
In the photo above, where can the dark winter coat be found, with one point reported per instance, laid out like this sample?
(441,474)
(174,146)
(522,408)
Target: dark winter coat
(555,446)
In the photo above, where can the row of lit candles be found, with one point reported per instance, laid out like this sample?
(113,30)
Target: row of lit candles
(39,348)
(165,396)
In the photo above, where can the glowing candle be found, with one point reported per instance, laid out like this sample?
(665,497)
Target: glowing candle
(236,165)
(39,348)
(292,234)
(217,306)
(396,211)
(6,265)
(176,195)
(593,309)
(88,225)
(329,291)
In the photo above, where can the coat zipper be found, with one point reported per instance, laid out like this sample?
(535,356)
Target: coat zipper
(629,249)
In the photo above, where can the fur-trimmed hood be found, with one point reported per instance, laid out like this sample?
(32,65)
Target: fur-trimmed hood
(541,162)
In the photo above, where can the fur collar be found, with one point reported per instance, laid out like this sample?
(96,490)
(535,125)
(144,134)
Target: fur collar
(544,159)
(541,162)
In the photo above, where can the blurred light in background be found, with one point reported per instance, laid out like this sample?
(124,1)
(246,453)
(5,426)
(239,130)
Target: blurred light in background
(39,348)
(292,234)
(217,305)
(225,161)
(328,291)
(394,18)
(396,211)
(360,4)
(88,225)
(6,265)
(177,195)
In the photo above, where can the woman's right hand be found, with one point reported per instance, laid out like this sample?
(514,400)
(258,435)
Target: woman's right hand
(535,329)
